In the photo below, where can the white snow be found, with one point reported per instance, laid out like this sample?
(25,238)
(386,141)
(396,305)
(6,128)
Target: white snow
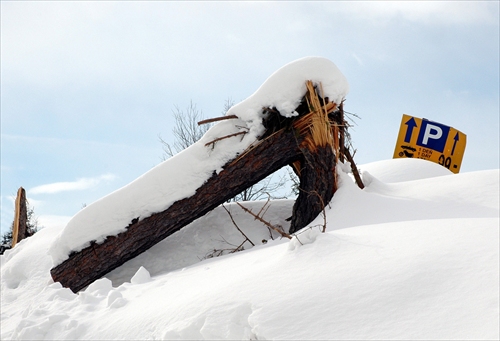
(180,176)
(412,259)
(141,276)
(285,88)
(404,169)
(414,255)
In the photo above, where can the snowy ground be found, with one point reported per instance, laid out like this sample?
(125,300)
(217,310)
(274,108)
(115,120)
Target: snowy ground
(415,255)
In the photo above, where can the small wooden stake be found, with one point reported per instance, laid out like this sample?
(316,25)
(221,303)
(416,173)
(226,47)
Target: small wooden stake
(20,217)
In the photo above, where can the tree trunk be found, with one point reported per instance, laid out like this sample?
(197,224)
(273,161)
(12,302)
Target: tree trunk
(317,185)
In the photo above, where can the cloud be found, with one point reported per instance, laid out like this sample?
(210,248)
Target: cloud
(428,12)
(78,185)
(355,56)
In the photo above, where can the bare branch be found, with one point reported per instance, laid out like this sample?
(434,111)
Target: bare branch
(225,137)
(186,131)
(268,224)
(267,202)
(238,248)
(237,227)
(354,169)
(215,119)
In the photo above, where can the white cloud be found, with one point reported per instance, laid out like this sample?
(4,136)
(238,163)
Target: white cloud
(78,185)
(34,203)
(88,44)
(435,12)
(355,56)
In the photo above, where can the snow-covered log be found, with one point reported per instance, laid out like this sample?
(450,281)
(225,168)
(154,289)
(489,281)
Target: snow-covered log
(283,123)
(282,148)
(94,261)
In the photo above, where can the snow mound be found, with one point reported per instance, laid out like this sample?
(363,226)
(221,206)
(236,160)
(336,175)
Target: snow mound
(404,169)
(441,197)
(415,259)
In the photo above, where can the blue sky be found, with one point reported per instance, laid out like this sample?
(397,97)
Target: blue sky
(87,87)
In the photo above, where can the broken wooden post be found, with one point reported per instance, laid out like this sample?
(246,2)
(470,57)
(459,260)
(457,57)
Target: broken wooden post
(20,217)
(308,141)
(319,151)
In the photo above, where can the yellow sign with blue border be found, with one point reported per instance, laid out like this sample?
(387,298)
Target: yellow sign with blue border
(436,142)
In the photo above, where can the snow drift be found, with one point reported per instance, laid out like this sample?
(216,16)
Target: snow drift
(401,259)
(414,255)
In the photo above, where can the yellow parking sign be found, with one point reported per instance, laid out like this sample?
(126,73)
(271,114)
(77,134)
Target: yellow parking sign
(436,142)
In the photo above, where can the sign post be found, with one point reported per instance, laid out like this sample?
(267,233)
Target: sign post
(436,142)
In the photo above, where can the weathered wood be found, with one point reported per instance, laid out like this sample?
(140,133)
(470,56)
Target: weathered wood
(91,263)
(317,186)
(20,217)
(319,152)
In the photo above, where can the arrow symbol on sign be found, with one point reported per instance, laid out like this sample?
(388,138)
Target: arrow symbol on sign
(454,144)
(409,130)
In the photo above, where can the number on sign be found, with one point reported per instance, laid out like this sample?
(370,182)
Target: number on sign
(445,161)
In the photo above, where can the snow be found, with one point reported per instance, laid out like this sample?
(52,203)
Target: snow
(285,88)
(401,259)
(179,177)
(141,276)
(404,169)
(414,255)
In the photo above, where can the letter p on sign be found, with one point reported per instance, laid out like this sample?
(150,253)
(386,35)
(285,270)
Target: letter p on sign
(433,135)
(428,129)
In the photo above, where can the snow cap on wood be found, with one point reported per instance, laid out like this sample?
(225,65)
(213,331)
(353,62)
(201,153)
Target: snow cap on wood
(286,87)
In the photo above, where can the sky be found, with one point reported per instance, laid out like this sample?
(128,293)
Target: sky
(87,88)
